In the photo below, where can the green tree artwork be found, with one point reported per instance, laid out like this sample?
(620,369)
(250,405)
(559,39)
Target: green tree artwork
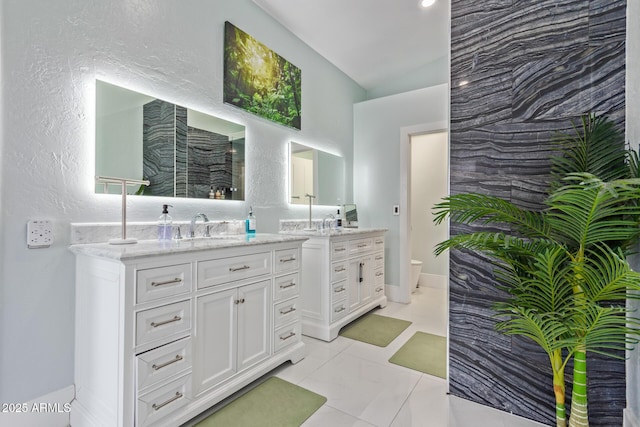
(259,80)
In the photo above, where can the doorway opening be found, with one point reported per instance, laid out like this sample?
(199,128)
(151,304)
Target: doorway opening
(425,181)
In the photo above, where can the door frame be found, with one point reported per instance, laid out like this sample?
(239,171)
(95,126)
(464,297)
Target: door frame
(405,200)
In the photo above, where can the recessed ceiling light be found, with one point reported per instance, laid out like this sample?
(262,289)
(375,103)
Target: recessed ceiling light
(427,3)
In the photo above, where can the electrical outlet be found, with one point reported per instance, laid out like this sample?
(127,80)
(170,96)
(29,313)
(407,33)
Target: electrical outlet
(396,209)
(39,234)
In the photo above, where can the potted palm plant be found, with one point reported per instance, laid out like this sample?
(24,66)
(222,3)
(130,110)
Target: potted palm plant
(564,267)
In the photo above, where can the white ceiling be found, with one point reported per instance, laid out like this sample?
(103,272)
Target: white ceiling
(372,41)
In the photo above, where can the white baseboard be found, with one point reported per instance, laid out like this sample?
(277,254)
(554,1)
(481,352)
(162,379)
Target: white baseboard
(436,281)
(51,410)
(393,294)
(630,420)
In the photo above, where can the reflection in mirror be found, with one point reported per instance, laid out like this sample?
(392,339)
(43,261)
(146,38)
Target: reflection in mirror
(315,172)
(182,152)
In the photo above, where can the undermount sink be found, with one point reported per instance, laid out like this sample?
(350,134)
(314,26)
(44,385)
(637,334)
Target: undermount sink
(214,237)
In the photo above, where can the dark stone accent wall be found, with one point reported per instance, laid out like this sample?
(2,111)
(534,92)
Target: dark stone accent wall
(532,67)
(158,147)
(209,162)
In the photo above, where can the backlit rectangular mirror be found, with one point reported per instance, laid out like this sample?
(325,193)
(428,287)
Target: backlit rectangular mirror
(315,172)
(182,152)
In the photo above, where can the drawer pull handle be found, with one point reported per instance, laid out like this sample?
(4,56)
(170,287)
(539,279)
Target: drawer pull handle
(290,285)
(239,301)
(339,249)
(362,245)
(167,282)
(291,310)
(244,267)
(288,259)
(378,274)
(165,364)
(156,406)
(379,289)
(341,289)
(291,335)
(339,309)
(339,270)
(164,322)
(379,257)
(379,242)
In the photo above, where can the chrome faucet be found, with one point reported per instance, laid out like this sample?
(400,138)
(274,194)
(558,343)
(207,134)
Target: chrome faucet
(192,226)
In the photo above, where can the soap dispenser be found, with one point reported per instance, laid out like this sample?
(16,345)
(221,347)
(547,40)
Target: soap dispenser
(250,223)
(165,224)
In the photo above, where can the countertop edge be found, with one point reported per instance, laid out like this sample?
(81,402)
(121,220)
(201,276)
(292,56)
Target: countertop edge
(149,248)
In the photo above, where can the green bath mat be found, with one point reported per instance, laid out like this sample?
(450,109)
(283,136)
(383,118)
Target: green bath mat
(375,329)
(274,403)
(425,353)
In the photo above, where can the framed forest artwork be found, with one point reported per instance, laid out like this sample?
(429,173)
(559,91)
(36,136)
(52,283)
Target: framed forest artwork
(259,80)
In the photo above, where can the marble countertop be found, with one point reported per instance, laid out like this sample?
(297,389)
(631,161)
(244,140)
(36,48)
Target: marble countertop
(146,248)
(333,232)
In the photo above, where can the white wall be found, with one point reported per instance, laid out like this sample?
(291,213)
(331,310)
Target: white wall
(52,52)
(376,159)
(429,184)
(633,136)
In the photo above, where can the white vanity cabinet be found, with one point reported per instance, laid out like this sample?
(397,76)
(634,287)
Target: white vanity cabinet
(342,279)
(165,332)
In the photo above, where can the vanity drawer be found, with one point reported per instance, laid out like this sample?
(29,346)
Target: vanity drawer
(285,312)
(378,290)
(223,270)
(378,260)
(286,286)
(378,276)
(160,282)
(287,260)
(339,310)
(163,362)
(339,270)
(286,335)
(159,403)
(339,250)
(378,243)
(359,246)
(338,291)
(163,323)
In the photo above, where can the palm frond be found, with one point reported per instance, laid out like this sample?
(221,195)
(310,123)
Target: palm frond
(545,329)
(596,147)
(592,211)
(605,330)
(484,209)
(607,276)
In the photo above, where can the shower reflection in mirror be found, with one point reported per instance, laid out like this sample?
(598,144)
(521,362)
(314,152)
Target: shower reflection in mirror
(182,152)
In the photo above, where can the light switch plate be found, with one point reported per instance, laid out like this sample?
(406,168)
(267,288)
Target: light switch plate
(39,234)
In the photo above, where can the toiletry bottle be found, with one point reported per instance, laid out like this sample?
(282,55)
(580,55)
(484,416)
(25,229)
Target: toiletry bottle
(212,194)
(250,223)
(165,224)
(338,220)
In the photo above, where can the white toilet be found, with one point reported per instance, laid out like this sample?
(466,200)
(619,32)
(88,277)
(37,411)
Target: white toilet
(416,269)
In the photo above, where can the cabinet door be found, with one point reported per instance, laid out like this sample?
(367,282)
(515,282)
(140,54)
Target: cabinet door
(356,269)
(367,285)
(360,282)
(215,339)
(254,314)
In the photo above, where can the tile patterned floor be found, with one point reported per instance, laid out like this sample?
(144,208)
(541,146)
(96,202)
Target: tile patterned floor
(364,389)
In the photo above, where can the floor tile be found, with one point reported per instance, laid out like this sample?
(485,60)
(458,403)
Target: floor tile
(371,391)
(364,390)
